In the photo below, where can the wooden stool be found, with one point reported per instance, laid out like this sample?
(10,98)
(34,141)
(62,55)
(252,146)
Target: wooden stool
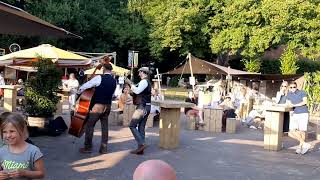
(231,125)
(191,122)
(127,114)
(212,119)
(149,123)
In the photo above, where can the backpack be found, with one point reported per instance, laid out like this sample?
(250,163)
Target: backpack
(57,126)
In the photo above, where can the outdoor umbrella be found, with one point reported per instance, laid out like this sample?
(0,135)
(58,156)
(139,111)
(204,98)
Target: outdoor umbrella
(16,21)
(116,69)
(59,56)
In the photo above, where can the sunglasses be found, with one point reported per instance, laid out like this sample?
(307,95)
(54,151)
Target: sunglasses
(293,87)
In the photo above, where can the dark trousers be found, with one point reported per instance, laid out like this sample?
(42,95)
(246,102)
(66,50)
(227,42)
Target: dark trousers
(98,112)
(139,120)
(286,122)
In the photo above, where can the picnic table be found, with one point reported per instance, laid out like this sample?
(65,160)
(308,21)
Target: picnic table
(169,125)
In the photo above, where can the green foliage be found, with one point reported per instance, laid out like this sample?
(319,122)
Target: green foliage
(270,67)
(174,81)
(222,29)
(41,89)
(312,88)
(308,66)
(288,62)
(252,65)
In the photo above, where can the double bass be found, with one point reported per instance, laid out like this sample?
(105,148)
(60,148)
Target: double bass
(80,116)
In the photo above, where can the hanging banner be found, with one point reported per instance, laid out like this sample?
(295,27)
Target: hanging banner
(135,59)
(130,59)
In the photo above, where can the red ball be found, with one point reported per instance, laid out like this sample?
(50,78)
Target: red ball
(154,170)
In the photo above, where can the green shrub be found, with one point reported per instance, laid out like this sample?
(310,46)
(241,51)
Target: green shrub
(252,65)
(312,88)
(174,81)
(308,66)
(288,62)
(41,89)
(270,67)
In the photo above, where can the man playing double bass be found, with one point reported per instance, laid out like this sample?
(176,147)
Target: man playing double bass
(142,98)
(105,86)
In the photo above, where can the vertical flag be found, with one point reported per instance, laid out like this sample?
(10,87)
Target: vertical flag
(130,58)
(135,59)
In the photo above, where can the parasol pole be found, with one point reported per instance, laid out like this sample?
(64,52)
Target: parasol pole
(159,84)
(189,57)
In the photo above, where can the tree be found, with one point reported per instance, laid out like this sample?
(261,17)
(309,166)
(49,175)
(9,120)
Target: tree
(288,62)
(250,27)
(175,26)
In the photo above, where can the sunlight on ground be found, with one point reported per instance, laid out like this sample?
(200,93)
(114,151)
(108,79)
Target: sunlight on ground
(244,142)
(204,138)
(104,161)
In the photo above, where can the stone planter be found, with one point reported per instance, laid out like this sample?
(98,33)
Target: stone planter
(40,122)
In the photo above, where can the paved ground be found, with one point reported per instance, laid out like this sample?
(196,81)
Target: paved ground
(200,156)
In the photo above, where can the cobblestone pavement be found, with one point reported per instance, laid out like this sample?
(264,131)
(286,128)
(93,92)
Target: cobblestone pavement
(200,156)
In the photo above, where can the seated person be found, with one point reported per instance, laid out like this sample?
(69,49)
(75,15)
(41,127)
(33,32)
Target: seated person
(194,111)
(125,98)
(255,118)
(20,91)
(228,111)
(155,109)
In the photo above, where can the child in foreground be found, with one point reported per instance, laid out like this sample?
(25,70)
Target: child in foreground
(18,159)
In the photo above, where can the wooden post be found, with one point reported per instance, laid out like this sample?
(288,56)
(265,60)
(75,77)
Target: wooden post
(169,127)
(127,114)
(273,127)
(10,97)
(189,57)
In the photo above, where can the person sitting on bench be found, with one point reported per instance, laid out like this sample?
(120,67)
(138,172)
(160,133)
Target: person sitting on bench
(125,98)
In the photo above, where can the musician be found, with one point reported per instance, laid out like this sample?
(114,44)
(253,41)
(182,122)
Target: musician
(142,91)
(105,86)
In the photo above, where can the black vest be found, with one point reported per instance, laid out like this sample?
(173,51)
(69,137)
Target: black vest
(104,92)
(145,95)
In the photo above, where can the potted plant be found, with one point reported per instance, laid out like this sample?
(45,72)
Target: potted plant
(41,93)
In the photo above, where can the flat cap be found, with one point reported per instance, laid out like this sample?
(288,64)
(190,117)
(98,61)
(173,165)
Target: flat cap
(144,69)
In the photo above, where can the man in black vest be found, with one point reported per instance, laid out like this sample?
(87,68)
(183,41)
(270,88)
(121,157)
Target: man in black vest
(139,118)
(105,86)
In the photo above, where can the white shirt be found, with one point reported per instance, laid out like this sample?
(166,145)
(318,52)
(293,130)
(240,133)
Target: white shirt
(94,82)
(2,81)
(121,80)
(72,83)
(142,85)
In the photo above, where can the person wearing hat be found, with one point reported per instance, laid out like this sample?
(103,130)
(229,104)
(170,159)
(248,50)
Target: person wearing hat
(105,85)
(142,99)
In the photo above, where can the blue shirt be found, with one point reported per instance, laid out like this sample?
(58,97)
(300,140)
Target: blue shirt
(295,98)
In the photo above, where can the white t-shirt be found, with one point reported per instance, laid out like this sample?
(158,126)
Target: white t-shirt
(121,80)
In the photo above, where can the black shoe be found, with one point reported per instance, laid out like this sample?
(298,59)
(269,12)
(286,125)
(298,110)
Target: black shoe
(139,150)
(103,149)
